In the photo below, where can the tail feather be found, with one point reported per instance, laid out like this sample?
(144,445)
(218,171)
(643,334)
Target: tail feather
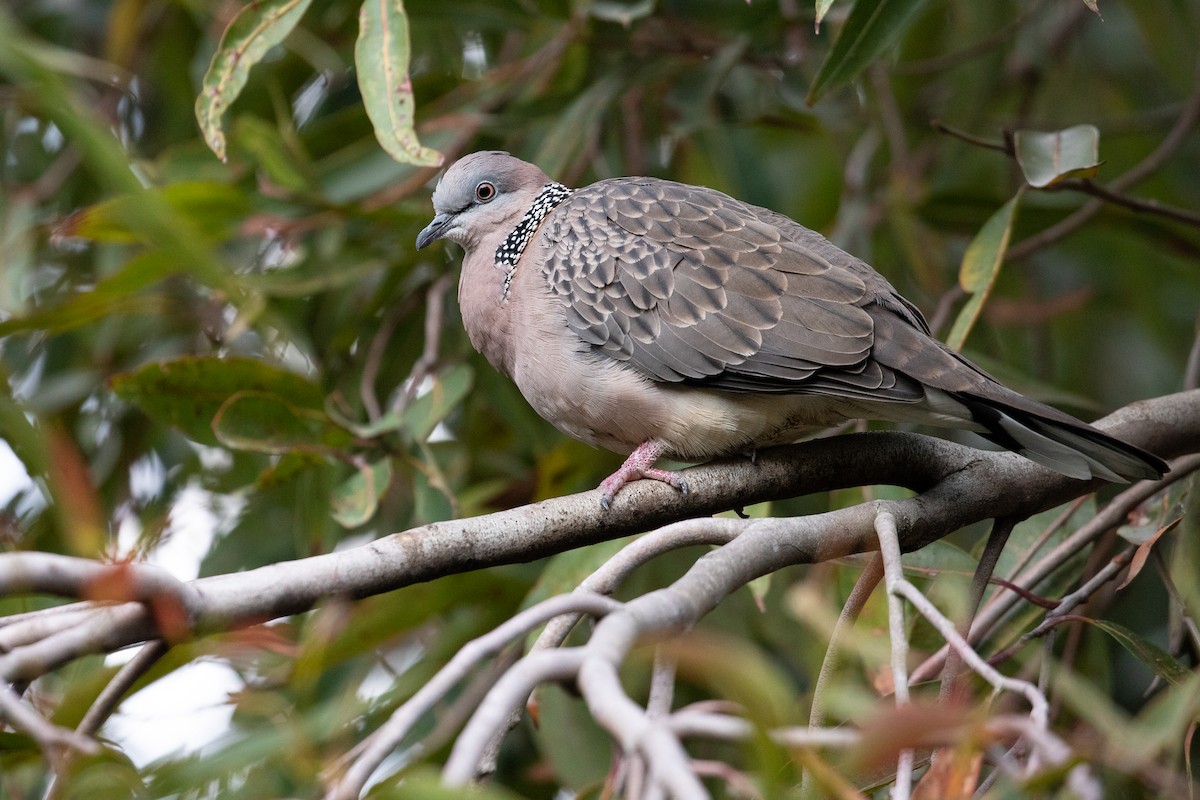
(1060,442)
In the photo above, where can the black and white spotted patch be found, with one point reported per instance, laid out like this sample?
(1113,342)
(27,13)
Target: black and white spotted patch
(509,252)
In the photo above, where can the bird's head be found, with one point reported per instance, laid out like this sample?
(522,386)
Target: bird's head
(480,194)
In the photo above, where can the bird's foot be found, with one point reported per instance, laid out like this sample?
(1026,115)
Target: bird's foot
(640,464)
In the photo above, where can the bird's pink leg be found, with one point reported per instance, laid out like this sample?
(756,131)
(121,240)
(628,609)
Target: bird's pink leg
(640,464)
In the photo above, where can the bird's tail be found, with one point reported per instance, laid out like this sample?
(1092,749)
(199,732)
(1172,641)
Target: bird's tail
(1059,441)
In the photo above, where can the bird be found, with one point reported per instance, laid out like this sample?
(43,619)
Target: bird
(658,319)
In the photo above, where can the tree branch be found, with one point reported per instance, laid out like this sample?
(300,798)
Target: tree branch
(958,485)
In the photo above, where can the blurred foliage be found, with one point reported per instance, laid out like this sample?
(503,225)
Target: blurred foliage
(260,334)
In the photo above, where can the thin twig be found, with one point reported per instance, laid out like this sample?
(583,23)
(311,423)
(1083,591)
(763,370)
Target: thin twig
(1150,206)
(1001,146)
(108,699)
(893,577)
(1001,530)
(1164,573)
(885,526)
(129,674)
(1108,518)
(863,588)
(1054,527)
(1037,702)
(434,312)
(375,354)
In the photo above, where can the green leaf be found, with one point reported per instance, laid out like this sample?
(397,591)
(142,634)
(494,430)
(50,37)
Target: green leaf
(980,266)
(187,393)
(255,30)
(423,783)
(312,276)
(1049,158)
(430,408)
(1163,663)
(282,166)
(381,58)
(355,501)
(564,571)
(212,209)
(872,27)
(267,422)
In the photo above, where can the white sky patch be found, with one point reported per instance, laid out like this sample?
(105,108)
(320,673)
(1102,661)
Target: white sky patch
(189,709)
(383,674)
(147,477)
(14,480)
(177,714)
(474,56)
(197,517)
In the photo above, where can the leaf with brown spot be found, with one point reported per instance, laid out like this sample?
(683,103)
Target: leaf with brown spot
(253,32)
(954,774)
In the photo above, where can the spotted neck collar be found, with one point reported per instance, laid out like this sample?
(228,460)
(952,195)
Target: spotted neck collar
(509,252)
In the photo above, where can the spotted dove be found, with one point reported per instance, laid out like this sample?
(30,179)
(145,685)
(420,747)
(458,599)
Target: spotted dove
(664,320)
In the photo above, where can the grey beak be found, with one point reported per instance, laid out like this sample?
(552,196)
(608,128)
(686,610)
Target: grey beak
(433,230)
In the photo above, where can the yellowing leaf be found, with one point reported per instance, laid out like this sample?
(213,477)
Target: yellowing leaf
(255,30)
(980,266)
(381,57)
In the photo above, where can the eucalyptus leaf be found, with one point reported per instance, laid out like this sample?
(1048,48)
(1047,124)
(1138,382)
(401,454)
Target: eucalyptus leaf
(980,266)
(872,27)
(250,35)
(213,209)
(1163,663)
(381,57)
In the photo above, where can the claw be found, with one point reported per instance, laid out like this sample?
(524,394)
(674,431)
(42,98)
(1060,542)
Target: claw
(640,464)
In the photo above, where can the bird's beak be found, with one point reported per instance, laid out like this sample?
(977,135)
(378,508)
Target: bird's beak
(433,230)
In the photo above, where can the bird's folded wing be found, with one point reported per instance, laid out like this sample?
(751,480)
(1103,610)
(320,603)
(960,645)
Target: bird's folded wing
(689,285)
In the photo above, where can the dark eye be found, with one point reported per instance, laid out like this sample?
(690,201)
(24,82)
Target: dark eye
(484,192)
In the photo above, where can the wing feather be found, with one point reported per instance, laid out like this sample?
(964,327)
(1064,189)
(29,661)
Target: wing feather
(687,284)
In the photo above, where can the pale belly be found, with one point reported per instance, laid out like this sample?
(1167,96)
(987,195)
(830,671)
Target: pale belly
(607,404)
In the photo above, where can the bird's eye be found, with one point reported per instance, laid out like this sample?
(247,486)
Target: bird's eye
(484,192)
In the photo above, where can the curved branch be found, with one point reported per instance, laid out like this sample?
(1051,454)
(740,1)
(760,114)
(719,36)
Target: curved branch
(375,748)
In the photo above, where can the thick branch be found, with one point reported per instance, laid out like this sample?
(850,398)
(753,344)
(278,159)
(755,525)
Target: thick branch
(959,485)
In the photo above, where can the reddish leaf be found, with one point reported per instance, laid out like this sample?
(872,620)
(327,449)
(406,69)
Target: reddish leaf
(1143,552)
